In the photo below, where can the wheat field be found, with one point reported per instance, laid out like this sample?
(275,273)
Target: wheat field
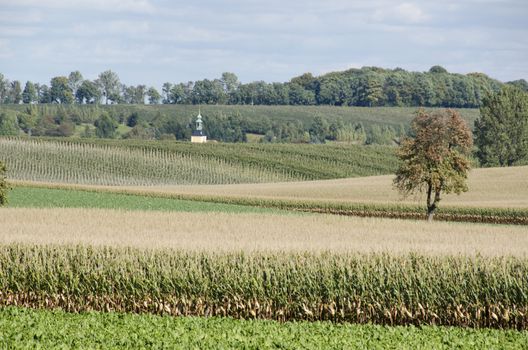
(227,232)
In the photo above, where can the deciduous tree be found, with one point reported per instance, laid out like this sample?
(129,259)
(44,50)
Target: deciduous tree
(502,129)
(29,95)
(105,126)
(435,160)
(109,83)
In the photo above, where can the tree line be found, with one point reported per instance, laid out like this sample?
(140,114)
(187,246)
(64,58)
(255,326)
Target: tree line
(368,86)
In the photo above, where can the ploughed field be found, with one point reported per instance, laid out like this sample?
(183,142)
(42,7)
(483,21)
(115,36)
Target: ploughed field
(221,265)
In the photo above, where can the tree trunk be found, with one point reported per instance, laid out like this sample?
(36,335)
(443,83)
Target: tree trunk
(430,213)
(432,203)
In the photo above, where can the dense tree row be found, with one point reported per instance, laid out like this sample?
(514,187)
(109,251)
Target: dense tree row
(368,86)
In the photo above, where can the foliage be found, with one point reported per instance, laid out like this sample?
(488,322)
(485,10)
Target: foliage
(286,124)
(375,288)
(51,329)
(4,187)
(501,132)
(368,86)
(435,160)
(129,162)
(8,124)
(105,127)
(60,92)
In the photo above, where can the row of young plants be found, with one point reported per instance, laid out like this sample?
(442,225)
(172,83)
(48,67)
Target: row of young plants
(144,163)
(378,288)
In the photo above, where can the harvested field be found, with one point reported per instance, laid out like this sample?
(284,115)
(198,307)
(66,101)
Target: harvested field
(256,232)
(488,187)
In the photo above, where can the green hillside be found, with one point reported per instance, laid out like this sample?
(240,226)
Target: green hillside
(128,162)
(393,116)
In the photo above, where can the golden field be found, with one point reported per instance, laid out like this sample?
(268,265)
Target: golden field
(256,232)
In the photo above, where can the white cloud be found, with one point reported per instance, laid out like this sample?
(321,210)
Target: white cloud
(137,6)
(405,12)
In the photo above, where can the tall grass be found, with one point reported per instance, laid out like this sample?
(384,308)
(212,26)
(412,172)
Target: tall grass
(413,289)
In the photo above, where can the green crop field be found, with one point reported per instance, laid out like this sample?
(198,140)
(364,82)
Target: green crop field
(376,288)
(34,197)
(163,163)
(24,328)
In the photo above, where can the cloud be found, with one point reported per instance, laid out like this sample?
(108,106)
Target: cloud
(405,13)
(411,13)
(153,41)
(137,6)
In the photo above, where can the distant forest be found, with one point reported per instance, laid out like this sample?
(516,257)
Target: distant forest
(368,86)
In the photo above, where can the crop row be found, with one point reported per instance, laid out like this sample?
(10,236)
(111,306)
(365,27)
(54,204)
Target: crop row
(37,160)
(383,289)
(141,163)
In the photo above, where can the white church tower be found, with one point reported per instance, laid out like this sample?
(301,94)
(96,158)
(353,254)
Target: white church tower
(198,135)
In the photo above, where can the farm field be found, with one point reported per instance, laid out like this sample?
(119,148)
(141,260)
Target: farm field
(236,231)
(35,197)
(23,328)
(168,163)
(488,187)
(390,289)
(213,249)
(497,195)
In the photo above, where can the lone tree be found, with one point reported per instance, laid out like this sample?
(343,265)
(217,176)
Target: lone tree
(435,160)
(501,131)
(3,185)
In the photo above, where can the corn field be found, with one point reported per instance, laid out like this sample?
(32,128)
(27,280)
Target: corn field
(84,163)
(376,288)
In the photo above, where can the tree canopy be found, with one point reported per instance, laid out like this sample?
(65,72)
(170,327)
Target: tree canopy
(435,160)
(368,86)
(502,129)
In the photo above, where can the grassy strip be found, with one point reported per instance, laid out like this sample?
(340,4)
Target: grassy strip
(401,211)
(26,328)
(377,288)
(35,197)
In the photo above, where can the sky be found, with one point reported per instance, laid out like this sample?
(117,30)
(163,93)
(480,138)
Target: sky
(155,41)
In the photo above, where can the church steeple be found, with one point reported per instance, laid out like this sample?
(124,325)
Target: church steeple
(198,135)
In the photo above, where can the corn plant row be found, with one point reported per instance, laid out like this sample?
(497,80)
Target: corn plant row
(382,289)
(52,161)
(310,162)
